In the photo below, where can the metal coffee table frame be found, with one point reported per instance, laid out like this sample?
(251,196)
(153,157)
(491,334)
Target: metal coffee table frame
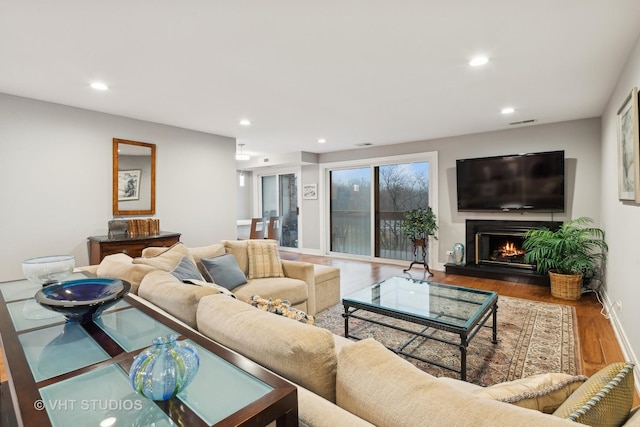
(478,320)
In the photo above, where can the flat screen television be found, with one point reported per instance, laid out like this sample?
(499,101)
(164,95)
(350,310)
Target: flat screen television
(517,182)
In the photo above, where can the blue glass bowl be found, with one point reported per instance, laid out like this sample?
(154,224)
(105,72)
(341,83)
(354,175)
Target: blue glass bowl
(82,300)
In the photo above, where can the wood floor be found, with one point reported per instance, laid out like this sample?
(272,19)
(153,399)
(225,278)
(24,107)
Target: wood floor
(598,344)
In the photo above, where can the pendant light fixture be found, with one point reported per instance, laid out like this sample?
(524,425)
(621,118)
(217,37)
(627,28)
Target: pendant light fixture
(240,155)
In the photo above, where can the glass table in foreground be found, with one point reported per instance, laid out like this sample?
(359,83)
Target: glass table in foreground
(63,373)
(461,311)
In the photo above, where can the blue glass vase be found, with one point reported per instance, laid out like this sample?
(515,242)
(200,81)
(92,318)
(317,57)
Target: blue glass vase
(458,253)
(161,371)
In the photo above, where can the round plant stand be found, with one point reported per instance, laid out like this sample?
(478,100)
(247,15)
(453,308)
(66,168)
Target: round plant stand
(419,256)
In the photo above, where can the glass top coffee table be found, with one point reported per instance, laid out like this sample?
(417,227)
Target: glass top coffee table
(68,374)
(461,311)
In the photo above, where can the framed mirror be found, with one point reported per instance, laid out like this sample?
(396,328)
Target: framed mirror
(134,178)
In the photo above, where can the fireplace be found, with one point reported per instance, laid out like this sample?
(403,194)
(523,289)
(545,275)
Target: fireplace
(501,248)
(494,250)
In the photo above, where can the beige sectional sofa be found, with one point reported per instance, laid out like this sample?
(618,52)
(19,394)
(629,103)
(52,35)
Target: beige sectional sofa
(297,284)
(341,382)
(363,383)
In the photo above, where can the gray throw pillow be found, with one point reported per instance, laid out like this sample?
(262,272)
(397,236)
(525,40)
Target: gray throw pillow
(224,271)
(186,270)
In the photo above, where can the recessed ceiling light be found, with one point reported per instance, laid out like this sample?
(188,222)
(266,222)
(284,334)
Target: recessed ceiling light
(507,110)
(245,122)
(478,61)
(322,141)
(99,86)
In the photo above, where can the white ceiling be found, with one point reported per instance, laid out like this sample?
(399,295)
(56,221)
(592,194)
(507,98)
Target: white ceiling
(350,71)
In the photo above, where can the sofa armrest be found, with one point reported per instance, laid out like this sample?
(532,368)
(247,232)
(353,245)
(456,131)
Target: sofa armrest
(302,271)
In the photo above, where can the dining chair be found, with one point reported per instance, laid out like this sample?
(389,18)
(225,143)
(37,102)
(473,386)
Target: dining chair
(258,226)
(274,228)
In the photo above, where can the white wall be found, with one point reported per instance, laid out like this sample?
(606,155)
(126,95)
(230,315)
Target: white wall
(56,175)
(580,139)
(310,211)
(621,220)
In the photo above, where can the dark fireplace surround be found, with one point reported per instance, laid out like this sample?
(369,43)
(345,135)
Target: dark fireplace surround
(493,250)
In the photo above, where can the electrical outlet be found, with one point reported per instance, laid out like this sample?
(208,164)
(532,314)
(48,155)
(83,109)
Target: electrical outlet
(450,253)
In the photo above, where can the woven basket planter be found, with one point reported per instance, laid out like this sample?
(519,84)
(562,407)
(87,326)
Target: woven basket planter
(566,286)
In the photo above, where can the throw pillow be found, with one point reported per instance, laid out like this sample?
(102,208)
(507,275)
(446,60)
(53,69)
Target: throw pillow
(168,259)
(605,399)
(543,392)
(264,260)
(223,270)
(281,307)
(186,270)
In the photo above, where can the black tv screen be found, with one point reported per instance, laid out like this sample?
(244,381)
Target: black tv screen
(531,182)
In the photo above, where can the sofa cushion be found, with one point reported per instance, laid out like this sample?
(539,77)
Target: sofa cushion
(210,251)
(374,383)
(206,284)
(294,290)
(168,259)
(238,248)
(151,251)
(121,266)
(605,399)
(302,353)
(199,252)
(223,270)
(264,260)
(314,411)
(543,392)
(170,294)
(186,270)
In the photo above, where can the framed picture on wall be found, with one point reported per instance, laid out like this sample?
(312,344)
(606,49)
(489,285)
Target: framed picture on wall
(629,149)
(310,191)
(129,184)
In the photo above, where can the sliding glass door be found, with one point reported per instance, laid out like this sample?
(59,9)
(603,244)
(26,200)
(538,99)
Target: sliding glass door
(367,205)
(350,211)
(279,198)
(399,188)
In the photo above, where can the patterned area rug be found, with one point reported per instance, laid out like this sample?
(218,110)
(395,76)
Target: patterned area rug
(533,337)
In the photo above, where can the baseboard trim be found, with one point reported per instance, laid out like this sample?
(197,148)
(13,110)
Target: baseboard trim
(621,336)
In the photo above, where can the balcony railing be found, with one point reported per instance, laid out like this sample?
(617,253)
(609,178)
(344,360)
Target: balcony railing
(351,233)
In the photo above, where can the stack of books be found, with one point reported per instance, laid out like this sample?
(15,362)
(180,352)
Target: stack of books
(144,227)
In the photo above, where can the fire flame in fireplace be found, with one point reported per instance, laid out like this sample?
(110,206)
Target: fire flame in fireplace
(510,249)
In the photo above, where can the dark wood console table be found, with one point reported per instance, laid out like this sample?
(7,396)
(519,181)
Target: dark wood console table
(101,246)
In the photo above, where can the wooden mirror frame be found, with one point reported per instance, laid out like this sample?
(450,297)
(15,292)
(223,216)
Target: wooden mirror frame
(116,208)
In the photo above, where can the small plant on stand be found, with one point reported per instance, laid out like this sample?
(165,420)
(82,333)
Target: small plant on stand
(418,225)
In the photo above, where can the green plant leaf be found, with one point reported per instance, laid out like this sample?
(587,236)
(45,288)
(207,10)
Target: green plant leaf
(575,248)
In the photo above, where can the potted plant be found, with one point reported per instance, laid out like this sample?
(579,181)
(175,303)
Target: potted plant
(418,225)
(573,251)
